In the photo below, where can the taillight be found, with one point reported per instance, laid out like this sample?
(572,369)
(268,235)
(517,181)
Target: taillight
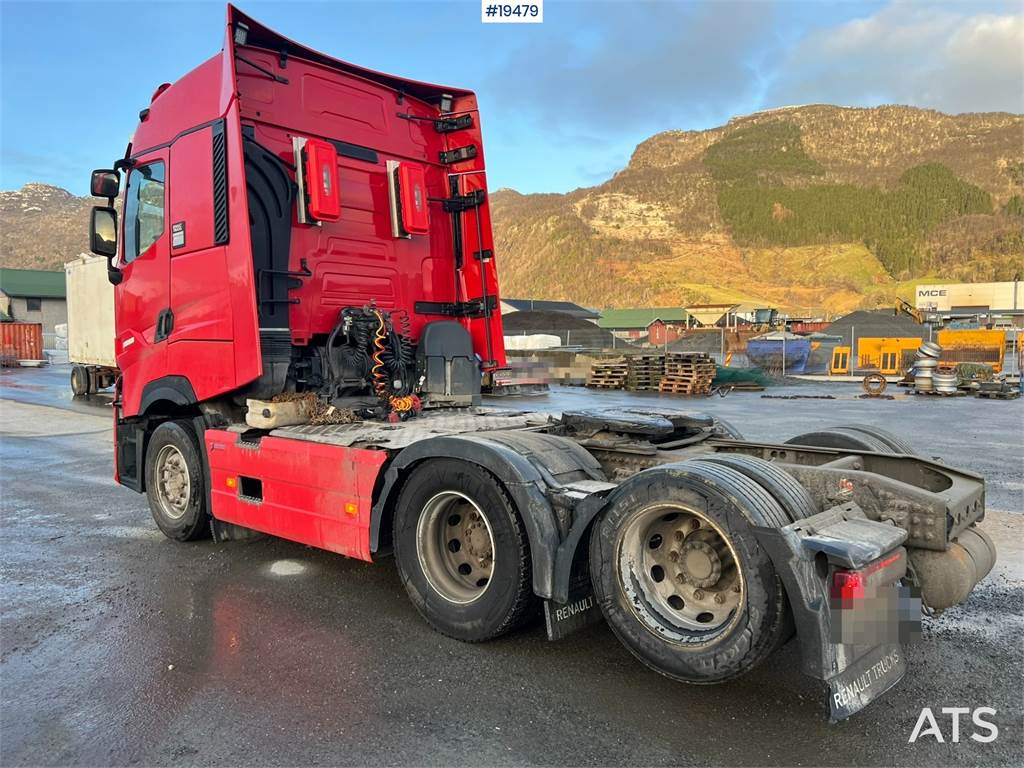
(855,585)
(847,586)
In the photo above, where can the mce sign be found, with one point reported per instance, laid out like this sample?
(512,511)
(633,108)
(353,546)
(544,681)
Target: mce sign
(928,293)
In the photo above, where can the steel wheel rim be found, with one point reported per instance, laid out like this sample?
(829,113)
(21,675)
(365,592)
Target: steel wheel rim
(173,484)
(700,588)
(455,547)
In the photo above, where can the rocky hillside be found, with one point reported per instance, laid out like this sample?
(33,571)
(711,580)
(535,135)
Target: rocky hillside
(813,208)
(42,227)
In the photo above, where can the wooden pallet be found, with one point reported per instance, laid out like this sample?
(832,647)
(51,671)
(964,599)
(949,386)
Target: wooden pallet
(687,373)
(675,387)
(1011,394)
(645,372)
(609,374)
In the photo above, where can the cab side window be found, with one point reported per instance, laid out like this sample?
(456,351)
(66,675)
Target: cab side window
(143,209)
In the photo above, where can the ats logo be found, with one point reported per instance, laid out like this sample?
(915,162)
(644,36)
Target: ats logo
(928,725)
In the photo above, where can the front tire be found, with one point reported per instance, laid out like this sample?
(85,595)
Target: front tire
(462,552)
(175,482)
(680,576)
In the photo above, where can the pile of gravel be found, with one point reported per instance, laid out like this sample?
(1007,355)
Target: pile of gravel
(573,331)
(877,323)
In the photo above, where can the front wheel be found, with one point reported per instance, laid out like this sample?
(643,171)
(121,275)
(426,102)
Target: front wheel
(462,552)
(680,576)
(175,482)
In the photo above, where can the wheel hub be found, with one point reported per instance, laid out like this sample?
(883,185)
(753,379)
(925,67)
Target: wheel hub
(684,567)
(174,487)
(700,564)
(455,547)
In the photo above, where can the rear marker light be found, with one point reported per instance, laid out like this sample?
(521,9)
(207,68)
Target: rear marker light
(317,179)
(231,482)
(351,509)
(407,192)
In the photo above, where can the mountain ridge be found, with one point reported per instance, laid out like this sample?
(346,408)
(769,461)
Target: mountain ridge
(813,207)
(853,205)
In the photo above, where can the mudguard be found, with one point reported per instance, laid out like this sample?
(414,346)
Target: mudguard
(531,466)
(806,554)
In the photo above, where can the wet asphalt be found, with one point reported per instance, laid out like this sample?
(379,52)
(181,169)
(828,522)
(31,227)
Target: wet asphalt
(119,647)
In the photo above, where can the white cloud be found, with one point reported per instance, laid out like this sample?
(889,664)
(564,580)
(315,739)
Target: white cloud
(910,54)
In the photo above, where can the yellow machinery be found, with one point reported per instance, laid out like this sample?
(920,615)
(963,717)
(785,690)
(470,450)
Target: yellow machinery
(890,356)
(840,360)
(906,308)
(972,345)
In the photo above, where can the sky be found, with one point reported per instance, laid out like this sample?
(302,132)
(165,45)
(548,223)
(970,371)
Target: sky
(563,103)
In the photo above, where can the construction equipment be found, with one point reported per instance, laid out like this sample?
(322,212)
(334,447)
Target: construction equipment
(906,308)
(298,226)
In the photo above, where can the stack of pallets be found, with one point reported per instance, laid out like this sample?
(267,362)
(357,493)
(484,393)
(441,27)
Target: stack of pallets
(608,374)
(645,372)
(687,373)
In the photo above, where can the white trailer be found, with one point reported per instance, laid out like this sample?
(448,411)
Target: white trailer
(90,325)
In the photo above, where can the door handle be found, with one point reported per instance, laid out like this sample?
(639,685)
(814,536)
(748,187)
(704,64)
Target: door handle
(164,324)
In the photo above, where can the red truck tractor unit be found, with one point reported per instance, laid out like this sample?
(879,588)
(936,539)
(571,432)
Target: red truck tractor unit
(306,300)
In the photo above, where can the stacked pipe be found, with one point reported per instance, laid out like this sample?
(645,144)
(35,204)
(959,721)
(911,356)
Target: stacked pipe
(925,365)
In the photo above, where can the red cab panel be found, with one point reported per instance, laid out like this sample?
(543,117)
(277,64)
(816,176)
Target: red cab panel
(322,180)
(412,192)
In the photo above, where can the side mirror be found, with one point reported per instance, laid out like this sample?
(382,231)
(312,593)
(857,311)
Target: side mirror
(103,232)
(105,183)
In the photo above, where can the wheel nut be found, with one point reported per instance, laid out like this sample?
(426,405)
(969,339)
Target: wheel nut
(698,594)
(673,556)
(719,598)
(735,587)
(679,535)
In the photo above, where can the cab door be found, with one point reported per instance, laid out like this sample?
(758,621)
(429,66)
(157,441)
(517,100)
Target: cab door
(143,318)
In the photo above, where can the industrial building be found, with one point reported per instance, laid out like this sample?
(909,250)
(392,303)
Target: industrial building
(1005,299)
(34,296)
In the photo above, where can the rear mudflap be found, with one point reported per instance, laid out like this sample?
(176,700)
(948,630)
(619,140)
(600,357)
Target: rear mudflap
(851,626)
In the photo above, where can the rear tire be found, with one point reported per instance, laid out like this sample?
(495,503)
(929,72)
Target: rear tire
(712,607)
(843,438)
(80,380)
(175,482)
(896,443)
(783,487)
(462,552)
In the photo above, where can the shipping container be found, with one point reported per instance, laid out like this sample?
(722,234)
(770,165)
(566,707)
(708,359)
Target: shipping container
(21,341)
